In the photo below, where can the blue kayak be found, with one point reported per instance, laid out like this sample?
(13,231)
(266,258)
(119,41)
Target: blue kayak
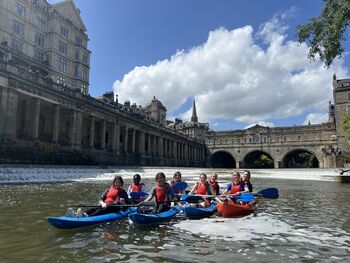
(66,222)
(153,219)
(198,212)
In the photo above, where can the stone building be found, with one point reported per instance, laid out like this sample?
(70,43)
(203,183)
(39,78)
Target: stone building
(46,114)
(52,39)
(193,128)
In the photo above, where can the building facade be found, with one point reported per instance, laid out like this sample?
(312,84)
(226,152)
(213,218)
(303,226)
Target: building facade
(53,37)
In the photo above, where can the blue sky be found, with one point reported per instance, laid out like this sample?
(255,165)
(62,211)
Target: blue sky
(238,59)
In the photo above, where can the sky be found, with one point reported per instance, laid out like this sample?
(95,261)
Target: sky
(239,60)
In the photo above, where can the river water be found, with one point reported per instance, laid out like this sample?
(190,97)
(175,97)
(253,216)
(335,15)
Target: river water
(309,222)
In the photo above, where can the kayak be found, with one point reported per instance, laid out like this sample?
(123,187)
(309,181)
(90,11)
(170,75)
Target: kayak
(230,210)
(199,212)
(66,222)
(153,219)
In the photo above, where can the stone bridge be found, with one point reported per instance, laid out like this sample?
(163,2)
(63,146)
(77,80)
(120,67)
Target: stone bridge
(281,145)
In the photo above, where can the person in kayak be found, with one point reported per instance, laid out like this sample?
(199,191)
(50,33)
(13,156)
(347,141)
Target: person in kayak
(137,187)
(162,193)
(234,188)
(246,180)
(115,194)
(202,187)
(176,179)
(213,181)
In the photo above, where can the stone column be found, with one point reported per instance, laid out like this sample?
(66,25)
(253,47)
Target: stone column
(3,108)
(36,115)
(56,119)
(175,150)
(103,134)
(75,129)
(161,147)
(113,136)
(117,141)
(133,142)
(92,132)
(126,139)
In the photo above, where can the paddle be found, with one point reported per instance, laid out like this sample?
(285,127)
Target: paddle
(268,193)
(180,186)
(245,197)
(137,194)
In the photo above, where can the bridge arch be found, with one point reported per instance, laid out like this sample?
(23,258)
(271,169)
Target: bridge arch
(300,158)
(258,159)
(222,159)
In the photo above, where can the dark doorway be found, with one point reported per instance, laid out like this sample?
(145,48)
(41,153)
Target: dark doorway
(300,159)
(258,159)
(222,160)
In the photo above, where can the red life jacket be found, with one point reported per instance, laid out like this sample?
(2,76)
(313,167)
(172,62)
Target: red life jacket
(161,193)
(136,188)
(202,189)
(112,194)
(235,188)
(176,191)
(214,185)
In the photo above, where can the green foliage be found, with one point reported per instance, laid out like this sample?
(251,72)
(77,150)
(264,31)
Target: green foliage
(263,161)
(346,126)
(326,34)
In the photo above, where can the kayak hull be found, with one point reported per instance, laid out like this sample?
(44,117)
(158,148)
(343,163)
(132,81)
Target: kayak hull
(198,212)
(232,210)
(154,219)
(65,222)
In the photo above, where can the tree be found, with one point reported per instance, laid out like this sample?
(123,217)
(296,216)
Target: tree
(346,126)
(326,34)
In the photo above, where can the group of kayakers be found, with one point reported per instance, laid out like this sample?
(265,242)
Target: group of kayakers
(163,192)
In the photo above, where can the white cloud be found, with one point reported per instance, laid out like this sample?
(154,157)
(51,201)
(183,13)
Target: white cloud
(315,118)
(234,75)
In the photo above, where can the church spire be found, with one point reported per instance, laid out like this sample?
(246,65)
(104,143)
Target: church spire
(194,117)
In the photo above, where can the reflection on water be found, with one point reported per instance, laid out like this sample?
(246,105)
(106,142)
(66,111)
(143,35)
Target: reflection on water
(308,223)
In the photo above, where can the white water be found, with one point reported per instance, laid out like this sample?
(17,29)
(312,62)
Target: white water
(42,174)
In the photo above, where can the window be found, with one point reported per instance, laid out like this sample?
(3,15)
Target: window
(41,22)
(20,9)
(77,54)
(64,31)
(285,138)
(16,45)
(62,64)
(238,140)
(78,41)
(299,138)
(18,28)
(348,109)
(63,47)
(76,71)
(38,55)
(85,57)
(74,85)
(39,39)
(84,74)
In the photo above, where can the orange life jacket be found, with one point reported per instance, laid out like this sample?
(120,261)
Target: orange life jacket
(161,193)
(136,188)
(235,187)
(112,194)
(202,189)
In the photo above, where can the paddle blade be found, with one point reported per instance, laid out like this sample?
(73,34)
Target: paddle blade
(180,186)
(137,194)
(245,197)
(269,193)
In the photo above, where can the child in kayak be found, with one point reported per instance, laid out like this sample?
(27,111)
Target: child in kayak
(246,180)
(162,193)
(137,187)
(176,179)
(234,188)
(213,181)
(115,194)
(202,187)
